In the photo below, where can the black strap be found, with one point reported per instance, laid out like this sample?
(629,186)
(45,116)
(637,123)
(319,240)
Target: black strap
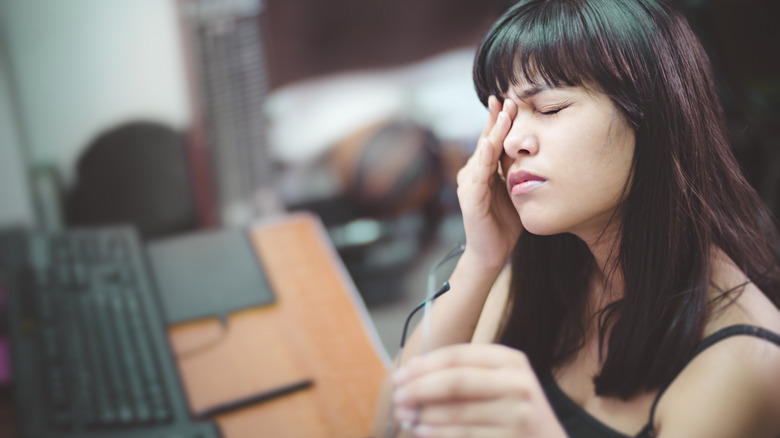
(709,341)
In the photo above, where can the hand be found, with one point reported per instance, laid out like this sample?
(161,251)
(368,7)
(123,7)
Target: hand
(473,390)
(490,220)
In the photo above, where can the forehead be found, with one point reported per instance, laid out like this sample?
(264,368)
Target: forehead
(525,90)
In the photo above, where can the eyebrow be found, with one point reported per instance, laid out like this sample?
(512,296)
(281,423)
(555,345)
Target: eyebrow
(532,91)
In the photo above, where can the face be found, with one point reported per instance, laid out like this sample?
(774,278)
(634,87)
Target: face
(567,158)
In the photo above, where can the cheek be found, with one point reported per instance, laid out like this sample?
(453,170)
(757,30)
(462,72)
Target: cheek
(604,148)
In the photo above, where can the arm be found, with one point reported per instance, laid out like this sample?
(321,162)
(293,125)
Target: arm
(492,227)
(493,311)
(454,318)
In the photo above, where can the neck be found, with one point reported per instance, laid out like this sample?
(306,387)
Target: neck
(607,281)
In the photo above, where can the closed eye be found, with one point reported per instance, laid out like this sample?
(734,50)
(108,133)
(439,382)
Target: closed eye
(553,111)
(554,108)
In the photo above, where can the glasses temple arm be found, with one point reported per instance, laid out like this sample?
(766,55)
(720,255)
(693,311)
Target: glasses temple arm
(443,289)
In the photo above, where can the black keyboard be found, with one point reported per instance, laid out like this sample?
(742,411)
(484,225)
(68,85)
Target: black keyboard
(89,349)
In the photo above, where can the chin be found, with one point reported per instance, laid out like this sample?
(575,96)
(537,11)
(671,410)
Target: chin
(540,219)
(541,228)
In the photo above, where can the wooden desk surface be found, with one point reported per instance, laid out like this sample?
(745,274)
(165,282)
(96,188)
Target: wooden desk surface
(317,329)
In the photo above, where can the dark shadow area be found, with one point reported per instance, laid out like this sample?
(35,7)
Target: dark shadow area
(743,41)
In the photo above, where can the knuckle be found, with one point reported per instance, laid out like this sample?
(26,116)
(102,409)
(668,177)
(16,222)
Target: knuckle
(461,175)
(456,387)
(522,359)
(521,389)
(522,416)
(521,383)
(461,353)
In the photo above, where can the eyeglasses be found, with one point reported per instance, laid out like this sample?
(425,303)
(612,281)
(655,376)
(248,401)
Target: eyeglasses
(432,292)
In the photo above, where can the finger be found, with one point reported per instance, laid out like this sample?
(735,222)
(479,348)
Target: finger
(496,138)
(494,107)
(500,129)
(481,355)
(490,411)
(490,148)
(479,167)
(466,384)
(487,157)
(457,431)
(490,131)
(510,107)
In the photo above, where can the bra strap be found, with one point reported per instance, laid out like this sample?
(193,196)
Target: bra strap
(709,341)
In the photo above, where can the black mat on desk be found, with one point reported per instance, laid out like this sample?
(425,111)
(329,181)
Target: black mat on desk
(208,274)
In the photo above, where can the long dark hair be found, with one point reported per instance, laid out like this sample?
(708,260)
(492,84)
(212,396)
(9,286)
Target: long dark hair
(687,193)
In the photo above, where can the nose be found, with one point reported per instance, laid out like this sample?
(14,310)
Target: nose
(520,141)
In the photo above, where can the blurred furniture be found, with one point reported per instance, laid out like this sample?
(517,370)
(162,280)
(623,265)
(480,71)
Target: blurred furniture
(237,51)
(135,173)
(224,53)
(318,329)
(387,208)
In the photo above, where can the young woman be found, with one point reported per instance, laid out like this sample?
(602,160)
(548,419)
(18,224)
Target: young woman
(644,290)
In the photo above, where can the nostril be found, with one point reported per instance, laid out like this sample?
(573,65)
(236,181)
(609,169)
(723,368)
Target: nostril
(528,146)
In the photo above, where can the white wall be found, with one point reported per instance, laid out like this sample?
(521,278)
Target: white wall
(80,67)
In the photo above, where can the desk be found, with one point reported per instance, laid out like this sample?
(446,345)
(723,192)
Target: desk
(318,329)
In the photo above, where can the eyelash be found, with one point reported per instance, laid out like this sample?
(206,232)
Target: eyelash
(553,111)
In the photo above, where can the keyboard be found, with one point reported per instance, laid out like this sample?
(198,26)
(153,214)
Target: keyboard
(90,354)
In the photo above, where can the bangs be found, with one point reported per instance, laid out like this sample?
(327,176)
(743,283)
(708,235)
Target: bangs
(557,43)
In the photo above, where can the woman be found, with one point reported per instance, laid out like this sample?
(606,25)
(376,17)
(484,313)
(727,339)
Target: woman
(644,286)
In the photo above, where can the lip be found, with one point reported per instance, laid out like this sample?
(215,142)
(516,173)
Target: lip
(522,181)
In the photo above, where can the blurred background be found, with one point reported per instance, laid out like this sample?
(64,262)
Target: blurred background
(181,115)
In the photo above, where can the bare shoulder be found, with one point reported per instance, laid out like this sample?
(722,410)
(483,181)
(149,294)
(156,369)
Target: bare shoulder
(733,387)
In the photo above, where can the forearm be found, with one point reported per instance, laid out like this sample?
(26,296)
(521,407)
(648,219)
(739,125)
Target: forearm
(453,320)
(455,314)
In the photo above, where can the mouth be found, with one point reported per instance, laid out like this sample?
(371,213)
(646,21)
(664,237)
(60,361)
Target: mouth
(521,182)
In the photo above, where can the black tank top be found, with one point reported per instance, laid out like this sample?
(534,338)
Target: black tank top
(580,424)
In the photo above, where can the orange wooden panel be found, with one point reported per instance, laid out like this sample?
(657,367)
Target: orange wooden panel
(317,329)
(246,357)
